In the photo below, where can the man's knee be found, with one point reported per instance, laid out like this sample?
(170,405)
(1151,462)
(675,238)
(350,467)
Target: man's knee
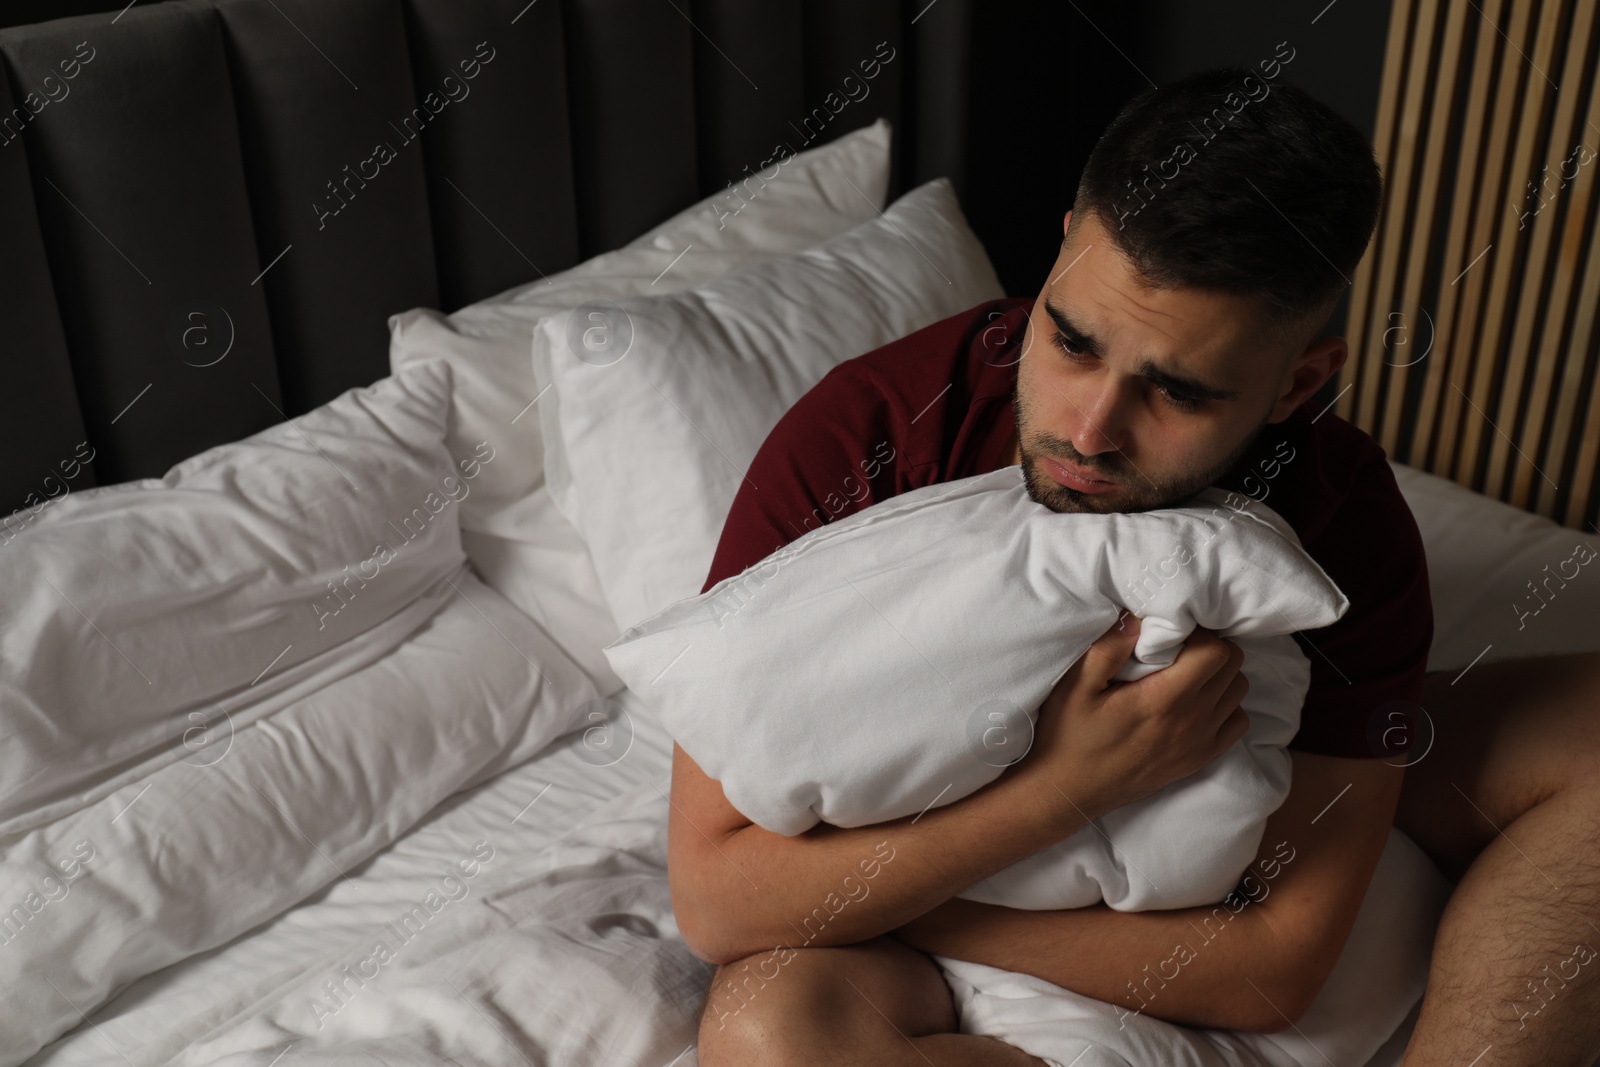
(1524,733)
(790,1006)
(770,1009)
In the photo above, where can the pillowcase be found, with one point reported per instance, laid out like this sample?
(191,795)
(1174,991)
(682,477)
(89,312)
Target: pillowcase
(658,404)
(522,546)
(895,659)
(1506,583)
(246,577)
(813,196)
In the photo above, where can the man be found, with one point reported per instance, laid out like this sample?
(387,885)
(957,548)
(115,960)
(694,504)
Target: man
(1174,345)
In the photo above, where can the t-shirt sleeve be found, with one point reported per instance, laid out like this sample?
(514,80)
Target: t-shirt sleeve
(831,454)
(1367,668)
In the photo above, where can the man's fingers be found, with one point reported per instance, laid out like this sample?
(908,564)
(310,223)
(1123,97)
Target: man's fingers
(1109,652)
(1235,726)
(1213,664)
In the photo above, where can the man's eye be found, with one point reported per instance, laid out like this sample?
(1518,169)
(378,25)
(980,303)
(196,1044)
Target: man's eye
(1060,341)
(1181,401)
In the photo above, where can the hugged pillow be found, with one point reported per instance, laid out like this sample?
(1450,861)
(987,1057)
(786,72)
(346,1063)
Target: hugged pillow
(659,403)
(521,545)
(222,688)
(895,659)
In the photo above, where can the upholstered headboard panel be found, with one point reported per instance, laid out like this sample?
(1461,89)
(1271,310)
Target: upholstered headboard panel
(209,209)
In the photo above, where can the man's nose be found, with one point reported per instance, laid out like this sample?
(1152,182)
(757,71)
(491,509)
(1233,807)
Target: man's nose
(1101,416)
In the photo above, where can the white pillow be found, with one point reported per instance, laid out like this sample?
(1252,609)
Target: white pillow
(1506,583)
(244,578)
(894,660)
(521,546)
(661,402)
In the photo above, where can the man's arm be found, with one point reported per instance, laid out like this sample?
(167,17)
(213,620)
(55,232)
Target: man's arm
(738,889)
(1255,962)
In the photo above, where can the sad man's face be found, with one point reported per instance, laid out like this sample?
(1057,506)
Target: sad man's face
(1130,398)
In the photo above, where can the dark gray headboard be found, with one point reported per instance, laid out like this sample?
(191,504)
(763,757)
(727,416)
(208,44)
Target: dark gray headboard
(271,179)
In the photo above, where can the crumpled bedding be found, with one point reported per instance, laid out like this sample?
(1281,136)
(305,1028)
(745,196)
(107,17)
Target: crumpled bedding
(561,949)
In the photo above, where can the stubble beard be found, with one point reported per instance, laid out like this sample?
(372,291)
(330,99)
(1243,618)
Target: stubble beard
(1136,491)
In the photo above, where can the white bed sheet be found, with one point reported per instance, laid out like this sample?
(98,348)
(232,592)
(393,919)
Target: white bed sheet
(561,950)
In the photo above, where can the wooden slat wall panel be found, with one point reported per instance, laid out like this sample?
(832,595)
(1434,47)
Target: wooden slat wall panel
(1426,204)
(1401,179)
(1469,221)
(1497,366)
(1493,290)
(1361,296)
(1543,303)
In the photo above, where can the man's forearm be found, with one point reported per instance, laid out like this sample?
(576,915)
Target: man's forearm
(834,886)
(1254,962)
(1193,966)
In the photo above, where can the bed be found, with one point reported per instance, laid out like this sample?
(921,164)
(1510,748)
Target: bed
(388,802)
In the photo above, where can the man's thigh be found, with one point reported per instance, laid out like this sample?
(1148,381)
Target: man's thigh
(1505,737)
(875,983)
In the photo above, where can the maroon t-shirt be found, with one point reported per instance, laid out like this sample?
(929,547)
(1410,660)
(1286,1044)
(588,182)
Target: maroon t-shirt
(935,406)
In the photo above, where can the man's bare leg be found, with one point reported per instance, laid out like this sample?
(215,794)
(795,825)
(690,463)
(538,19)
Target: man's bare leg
(876,1004)
(1508,802)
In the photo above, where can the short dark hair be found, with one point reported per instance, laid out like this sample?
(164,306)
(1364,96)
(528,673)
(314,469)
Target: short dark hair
(1275,194)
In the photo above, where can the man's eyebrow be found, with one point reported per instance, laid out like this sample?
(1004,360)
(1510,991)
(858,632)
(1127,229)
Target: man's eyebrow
(1177,383)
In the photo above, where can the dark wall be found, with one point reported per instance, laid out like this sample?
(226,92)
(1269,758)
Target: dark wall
(22,12)
(1048,79)
(1338,58)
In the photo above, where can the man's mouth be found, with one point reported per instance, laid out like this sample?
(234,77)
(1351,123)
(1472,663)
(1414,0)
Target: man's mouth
(1076,478)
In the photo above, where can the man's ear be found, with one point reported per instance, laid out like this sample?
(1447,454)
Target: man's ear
(1307,373)
(1066,224)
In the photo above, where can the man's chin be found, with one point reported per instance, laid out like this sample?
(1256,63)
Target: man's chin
(1052,494)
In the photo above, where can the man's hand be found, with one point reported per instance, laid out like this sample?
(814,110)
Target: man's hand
(1100,743)
(738,889)
(1239,966)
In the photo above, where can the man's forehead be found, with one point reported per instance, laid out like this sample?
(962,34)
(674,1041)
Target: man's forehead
(1099,289)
